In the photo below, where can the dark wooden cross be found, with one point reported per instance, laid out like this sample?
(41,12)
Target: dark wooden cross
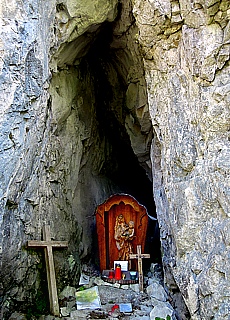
(48,245)
(139,256)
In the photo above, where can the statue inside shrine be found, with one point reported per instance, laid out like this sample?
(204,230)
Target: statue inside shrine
(124,234)
(121,225)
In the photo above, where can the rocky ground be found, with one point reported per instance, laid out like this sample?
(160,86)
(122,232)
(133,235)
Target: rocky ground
(154,303)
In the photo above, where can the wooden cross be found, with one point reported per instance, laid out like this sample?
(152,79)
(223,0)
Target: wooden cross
(48,244)
(140,256)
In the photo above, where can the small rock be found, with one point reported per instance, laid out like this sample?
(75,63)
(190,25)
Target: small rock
(161,310)
(146,309)
(156,291)
(79,314)
(67,292)
(65,311)
(135,287)
(17,316)
(98,314)
(99,282)
(143,317)
(125,286)
(49,317)
(71,303)
(140,313)
(116,313)
(152,280)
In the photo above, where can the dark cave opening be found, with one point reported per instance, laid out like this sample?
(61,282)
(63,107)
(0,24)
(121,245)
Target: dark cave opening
(109,71)
(121,165)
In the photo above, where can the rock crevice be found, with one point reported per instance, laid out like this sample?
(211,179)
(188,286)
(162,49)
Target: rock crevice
(116,96)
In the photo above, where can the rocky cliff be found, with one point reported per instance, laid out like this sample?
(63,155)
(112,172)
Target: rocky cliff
(185,46)
(115,96)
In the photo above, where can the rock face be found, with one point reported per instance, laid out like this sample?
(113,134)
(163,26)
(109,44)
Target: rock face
(185,45)
(72,78)
(87,88)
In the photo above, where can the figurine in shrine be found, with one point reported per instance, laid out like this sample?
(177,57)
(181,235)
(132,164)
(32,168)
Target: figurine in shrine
(112,217)
(127,237)
(129,231)
(124,234)
(119,229)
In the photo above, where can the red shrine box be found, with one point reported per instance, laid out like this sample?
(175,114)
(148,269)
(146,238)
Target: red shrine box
(121,225)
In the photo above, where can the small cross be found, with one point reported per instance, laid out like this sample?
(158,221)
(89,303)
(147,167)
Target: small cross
(48,244)
(140,256)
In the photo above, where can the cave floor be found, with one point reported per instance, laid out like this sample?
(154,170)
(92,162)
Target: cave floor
(111,298)
(114,296)
(153,303)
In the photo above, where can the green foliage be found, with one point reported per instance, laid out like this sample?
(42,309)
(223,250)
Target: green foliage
(39,308)
(81,289)
(41,302)
(167,318)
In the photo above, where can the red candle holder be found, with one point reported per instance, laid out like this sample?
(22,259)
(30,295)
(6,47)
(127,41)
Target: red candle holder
(111,274)
(118,272)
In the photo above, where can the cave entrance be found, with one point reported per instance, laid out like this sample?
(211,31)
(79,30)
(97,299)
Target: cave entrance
(100,82)
(108,65)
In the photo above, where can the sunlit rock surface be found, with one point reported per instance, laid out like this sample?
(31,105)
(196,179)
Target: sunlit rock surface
(86,88)
(185,46)
(73,105)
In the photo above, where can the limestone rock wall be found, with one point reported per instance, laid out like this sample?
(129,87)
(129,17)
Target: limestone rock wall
(46,175)
(62,124)
(185,45)
(76,74)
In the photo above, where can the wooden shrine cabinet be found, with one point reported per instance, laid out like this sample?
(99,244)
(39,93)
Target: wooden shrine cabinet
(108,222)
